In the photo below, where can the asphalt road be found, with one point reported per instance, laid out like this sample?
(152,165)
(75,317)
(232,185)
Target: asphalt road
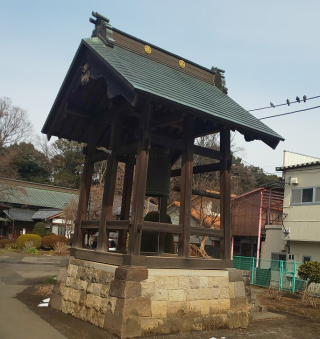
(17,272)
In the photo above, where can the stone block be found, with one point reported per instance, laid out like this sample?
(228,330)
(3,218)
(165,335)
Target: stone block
(234,320)
(231,290)
(93,301)
(80,312)
(197,324)
(183,282)
(194,282)
(214,306)
(55,301)
(194,308)
(56,287)
(224,293)
(113,324)
(235,274)
(72,271)
(104,291)
(94,288)
(239,290)
(95,276)
(205,307)
(161,295)
(215,292)
(204,293)
(178,309)
(204,282)
(159,309)
(70,282)
(238,303)
(111,304)
(244,319)
(208,322)
(125,289)
(147,289)
(218,282)
(104,305)
(160,282)
(192,294)
(75,297)
(172,283)
(67,307)
(181,325)
(135,307)
(62,274)
(149,327)
(80,285)
(131,327)
(224,305)
(126,273)
(163,326)
(83,298)
(176,295)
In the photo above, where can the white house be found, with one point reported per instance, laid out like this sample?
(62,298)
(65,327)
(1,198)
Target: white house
(298,239)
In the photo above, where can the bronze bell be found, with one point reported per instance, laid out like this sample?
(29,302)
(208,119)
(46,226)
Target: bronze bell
(159,170)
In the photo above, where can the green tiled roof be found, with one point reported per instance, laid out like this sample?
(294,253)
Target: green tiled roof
(148,76)
(31,194)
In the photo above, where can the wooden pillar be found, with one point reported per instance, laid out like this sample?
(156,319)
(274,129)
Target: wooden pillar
(109,185)
(186,188)
(225,210)
(85,186)
(140,181)
(163,214)
(126,201)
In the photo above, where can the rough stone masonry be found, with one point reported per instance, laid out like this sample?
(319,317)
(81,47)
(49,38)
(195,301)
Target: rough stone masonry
(136,301)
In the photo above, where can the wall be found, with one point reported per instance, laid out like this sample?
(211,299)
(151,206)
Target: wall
(303,221)
(273,242)
(136,301)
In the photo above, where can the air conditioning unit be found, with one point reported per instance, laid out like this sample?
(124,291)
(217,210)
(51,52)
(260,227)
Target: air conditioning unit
(294,181)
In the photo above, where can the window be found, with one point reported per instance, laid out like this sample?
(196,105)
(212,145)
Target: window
(275,261)
(306,258)
(301,196)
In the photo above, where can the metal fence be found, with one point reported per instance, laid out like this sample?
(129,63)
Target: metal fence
(278,274)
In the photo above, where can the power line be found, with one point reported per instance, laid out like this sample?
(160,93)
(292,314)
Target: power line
(288,102)
(279,115)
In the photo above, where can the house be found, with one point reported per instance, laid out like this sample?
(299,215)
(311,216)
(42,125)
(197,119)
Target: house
(250,213)
(23,204)
(298,238)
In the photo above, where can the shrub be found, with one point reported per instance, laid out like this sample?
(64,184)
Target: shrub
(21,241)
(4,242)
(310,271)
(49,240)
(40,229)
(60,248)
(31,250)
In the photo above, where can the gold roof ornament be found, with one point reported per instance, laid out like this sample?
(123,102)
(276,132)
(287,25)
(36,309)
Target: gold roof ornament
(147,49)
(182,64)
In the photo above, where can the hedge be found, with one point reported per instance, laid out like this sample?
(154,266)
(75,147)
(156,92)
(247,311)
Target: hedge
(49,240)
(21,241)
(4,242)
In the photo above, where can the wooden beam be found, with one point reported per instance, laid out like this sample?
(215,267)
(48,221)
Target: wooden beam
(202,231)
(170,262)
(167,142)
(126,150)
(85,187)
(126,201)
(186,187)
(109,186)
(225,210)
(200,193)
(161,227)
(140,181)
(198,169)
(163,216)
(207,152)
(112,225)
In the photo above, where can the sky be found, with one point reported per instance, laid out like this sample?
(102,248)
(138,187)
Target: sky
(268,49)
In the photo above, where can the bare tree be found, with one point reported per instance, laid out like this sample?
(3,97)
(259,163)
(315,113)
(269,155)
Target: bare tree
(14,123)
(70,213)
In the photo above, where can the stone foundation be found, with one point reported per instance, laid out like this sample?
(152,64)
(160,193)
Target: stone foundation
(136,301)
